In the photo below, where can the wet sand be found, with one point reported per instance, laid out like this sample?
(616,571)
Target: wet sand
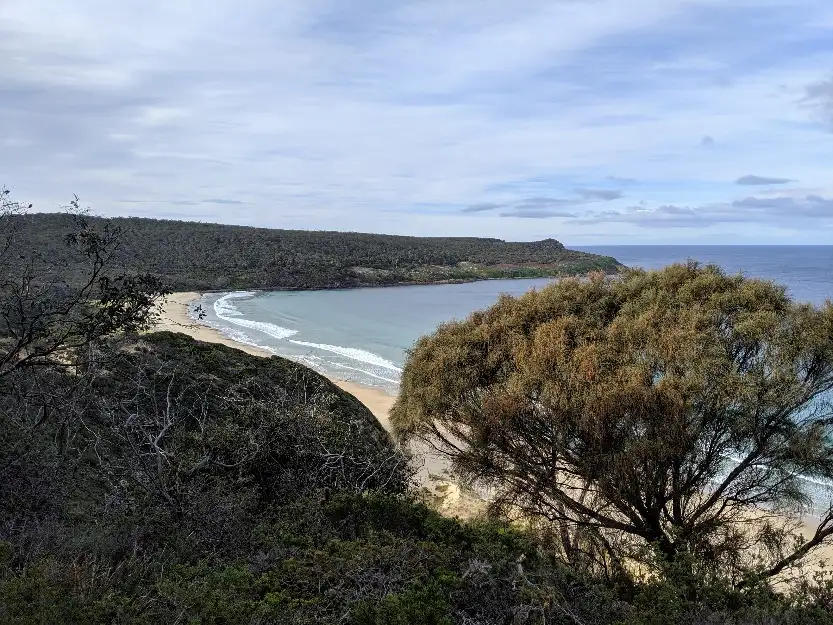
(174,316)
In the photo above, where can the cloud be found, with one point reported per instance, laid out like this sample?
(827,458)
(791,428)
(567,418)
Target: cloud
(527,213)
(821,90)
(524,207)
(808,207)
(600,194)
(483,206)
(761,180)
(707,141)
(402,117)
(544,207)
(820,95)
(222,201)
(533,203)
(814,211)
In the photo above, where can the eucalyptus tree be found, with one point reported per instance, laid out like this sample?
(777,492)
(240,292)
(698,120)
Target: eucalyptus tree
(62,295)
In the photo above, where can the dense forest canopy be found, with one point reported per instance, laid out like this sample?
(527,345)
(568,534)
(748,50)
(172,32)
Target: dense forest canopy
(202,256)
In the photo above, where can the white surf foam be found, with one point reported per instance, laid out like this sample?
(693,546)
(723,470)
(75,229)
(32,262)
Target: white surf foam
(366,372)
(227,311)
(239,336)
(352,353)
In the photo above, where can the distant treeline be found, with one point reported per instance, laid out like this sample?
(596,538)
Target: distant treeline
(202,256)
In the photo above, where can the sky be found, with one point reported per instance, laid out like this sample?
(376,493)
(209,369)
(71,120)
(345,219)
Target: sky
(589,121)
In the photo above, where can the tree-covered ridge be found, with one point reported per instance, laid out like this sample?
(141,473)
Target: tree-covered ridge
(202,256)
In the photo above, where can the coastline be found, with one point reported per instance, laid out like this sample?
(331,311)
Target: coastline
(433,475)
(433,471)
(173,316)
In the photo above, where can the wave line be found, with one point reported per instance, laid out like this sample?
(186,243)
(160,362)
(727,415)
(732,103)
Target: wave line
(228,312)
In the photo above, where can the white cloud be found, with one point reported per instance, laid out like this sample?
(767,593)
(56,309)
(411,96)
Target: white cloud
(396,117)
(814,209)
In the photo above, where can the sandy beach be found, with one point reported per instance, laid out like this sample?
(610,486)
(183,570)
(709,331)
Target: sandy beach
(174,316)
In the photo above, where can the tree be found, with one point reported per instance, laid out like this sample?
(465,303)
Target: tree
(683,409)
(52,306)
(56,309)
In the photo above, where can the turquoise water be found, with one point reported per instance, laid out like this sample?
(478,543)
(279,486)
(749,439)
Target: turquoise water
(362,335)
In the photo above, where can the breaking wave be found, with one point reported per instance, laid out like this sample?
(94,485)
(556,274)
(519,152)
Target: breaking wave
(227,311)
(360,365)
(352,353)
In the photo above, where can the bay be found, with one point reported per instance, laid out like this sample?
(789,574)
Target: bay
(363,335)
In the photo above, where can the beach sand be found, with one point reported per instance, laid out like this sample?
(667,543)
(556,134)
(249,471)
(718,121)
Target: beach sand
(432,475)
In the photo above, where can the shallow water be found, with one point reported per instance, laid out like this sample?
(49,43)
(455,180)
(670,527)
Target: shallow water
(362,335)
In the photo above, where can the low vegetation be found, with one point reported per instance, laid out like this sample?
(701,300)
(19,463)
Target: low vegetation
(189,256)
(151,478)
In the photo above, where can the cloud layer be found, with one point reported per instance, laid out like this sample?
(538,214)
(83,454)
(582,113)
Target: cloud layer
(475,117)
(751,211)
(751,180)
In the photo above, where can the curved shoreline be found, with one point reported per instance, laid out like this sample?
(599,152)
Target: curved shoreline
(173,316)
(432,476)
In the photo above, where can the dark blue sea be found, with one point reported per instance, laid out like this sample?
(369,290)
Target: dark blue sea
(806,270)
(363,334)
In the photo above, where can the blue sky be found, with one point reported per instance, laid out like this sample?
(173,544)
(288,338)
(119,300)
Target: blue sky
(591,121)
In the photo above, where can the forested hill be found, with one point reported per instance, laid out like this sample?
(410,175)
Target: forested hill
(202,256)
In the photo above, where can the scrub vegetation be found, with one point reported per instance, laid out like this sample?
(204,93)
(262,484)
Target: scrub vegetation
(189,256)
(146,477)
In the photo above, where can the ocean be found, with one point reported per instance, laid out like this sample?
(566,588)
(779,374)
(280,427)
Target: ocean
(363,335)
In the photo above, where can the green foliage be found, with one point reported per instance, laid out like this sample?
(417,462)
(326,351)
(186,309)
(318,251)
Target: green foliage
(612,407)
(483,572)
(274,425)
(157,479)
(199,256)
(426,603)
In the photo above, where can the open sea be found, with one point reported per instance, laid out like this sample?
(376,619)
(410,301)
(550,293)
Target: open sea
(362,335)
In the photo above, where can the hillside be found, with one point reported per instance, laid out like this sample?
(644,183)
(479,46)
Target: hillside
(201,256)
(150,478)
(193,483)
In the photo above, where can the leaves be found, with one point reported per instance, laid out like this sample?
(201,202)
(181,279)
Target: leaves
(199,256)
(680,397)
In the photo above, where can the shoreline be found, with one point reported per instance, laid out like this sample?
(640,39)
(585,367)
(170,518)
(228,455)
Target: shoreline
(385,285)
(173,316)
(433,475)
(433,471)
